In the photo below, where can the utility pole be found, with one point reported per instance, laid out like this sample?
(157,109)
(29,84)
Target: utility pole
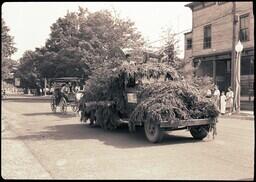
(233,59)
(45,83)
(239,49)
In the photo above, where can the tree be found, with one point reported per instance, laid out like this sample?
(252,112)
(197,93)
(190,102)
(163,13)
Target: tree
(88,39)
(7,49)
(79,43)
(27,69)
(169,50)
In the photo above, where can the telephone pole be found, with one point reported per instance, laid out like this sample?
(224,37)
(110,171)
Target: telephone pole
(233,59)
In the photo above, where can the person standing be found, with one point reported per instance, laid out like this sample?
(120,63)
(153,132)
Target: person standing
(229,97)
(65,90)
(216,95)
(223,103)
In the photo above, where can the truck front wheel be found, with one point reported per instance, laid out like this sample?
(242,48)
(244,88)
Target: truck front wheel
(199,132)
(153,132)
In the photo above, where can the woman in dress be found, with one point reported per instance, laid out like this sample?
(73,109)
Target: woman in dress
(229,97)
(223,103)
(216,95)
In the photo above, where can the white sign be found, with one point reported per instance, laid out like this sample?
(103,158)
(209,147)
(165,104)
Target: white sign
(17,81)
(132,97)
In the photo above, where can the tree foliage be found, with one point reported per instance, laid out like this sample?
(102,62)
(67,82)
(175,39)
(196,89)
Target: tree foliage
(7,42)
(82,41)
(7,49)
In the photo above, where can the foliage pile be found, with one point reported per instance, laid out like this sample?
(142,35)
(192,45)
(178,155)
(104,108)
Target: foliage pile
(171,101)
(150,70)
(108,83)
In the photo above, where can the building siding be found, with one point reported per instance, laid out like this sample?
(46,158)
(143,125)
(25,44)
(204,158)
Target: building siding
(221,19)
(188,52)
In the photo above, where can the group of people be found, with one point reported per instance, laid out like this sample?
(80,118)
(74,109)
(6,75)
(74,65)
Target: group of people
(223,101)
(68,88)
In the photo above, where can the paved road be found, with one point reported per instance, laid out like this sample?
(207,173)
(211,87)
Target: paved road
(39,144)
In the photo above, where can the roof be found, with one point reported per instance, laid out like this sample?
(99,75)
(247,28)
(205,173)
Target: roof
(191,5)
(188,32)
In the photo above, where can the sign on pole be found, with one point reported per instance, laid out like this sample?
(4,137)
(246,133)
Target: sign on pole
(17,82)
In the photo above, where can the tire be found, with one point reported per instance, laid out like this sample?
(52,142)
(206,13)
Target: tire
(53,105)
(199,132)
(153,132)
(63,106)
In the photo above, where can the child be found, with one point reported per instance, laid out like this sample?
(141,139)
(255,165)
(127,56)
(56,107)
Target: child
(223,103)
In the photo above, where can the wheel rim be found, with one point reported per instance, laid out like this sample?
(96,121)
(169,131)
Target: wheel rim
(74,108)
(53,107)
(63,106)
(151,129)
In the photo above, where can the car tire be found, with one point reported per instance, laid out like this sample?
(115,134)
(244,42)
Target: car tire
(153,132)
(199,132)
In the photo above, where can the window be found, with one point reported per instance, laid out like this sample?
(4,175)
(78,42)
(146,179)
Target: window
(207,37)
(244,28)
(189,43)
(247,65)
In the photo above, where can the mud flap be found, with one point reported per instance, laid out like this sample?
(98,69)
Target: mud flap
(213,128)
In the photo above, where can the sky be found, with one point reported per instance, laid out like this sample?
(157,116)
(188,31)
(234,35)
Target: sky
(30,22)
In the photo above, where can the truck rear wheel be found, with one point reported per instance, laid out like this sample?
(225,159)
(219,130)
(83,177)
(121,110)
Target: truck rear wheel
(199,132)
(153,132)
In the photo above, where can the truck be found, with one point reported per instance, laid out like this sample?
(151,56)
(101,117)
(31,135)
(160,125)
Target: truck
(119,105)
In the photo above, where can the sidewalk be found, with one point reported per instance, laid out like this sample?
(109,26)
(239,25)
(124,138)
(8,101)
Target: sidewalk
(27,97)
(245,115)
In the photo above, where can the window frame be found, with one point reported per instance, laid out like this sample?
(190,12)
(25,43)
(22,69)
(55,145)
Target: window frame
(247,15)
(189,46)
(207,41)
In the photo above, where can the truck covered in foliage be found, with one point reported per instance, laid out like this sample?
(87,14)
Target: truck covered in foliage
(151,95)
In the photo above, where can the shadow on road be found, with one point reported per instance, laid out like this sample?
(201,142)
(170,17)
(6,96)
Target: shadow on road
(120,138)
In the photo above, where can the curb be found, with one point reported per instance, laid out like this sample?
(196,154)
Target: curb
(242,117)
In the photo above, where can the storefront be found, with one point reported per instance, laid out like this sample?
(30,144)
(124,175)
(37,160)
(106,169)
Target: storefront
(219,68)
(216,66)
(247,79)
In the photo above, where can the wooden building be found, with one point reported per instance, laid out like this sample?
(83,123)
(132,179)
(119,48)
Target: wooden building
(216,29)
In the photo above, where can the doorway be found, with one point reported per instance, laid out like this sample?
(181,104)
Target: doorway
(223,74)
